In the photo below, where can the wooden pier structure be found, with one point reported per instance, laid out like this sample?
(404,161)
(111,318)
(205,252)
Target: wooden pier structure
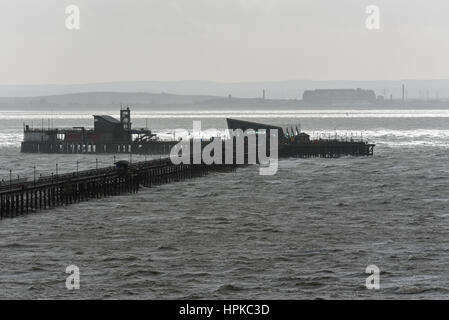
(116,136)
(20,198)
(108,135)
(326,149)
(113,136)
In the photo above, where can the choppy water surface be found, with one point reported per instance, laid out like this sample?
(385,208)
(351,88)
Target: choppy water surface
(307,232)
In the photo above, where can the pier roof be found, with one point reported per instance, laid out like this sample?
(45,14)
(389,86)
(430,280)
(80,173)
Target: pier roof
(107,118)
(245,125)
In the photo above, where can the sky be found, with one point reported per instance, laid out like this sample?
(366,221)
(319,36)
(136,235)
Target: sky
(222,40)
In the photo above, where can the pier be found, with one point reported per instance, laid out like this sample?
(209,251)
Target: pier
(110,135)
(116,136)
(294,143)
(20,198)
(327,149)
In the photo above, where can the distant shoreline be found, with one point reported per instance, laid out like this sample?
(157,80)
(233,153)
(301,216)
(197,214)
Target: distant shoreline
(141,101)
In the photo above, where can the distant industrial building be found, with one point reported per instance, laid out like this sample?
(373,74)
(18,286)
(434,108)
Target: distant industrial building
(339,96)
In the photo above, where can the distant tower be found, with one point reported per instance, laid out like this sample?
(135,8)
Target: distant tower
(263,94)
(125,118)
(403,92)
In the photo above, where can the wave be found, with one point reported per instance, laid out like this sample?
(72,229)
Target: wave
(228,288)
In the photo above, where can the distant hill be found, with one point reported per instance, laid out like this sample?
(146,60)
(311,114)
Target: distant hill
(293,89)
(98,101)
(138,101)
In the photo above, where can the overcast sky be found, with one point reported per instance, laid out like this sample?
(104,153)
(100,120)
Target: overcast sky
(222,40)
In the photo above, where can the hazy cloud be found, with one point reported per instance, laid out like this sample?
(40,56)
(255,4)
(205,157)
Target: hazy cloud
(225,40)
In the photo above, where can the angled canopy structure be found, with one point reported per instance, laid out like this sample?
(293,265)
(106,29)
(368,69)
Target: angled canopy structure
(234,124)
